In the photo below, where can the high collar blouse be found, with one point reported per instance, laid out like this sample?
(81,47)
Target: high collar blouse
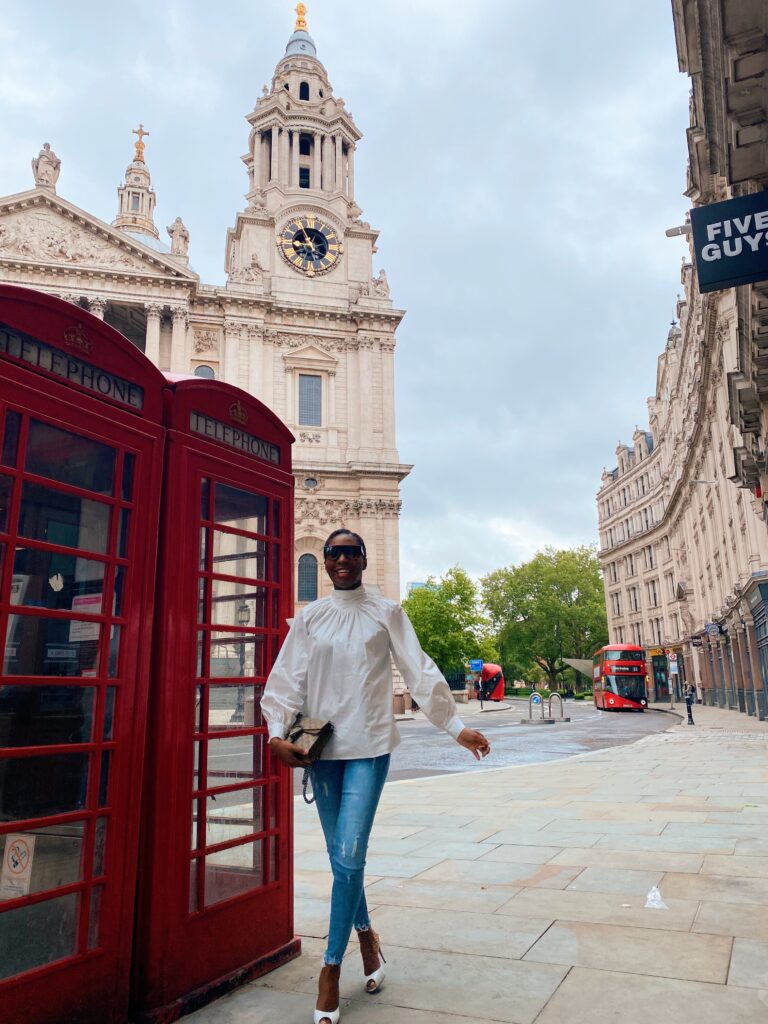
(336,665)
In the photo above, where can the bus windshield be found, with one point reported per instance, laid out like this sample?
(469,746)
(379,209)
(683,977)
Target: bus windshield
(629,687)
(625,655)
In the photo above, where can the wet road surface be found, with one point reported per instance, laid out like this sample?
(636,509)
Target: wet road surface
(427,751)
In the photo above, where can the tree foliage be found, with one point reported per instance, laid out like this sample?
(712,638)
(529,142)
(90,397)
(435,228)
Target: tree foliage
(547,609)
(448,621)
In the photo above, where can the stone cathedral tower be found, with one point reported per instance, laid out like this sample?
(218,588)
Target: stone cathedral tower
(301,322)
(322,352)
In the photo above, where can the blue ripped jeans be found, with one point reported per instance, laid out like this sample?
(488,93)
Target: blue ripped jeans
(347,795)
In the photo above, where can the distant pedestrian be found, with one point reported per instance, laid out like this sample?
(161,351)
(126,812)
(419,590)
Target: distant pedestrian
(689,693)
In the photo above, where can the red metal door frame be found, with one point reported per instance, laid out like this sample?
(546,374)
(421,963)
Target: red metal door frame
(65,368)
(189,950)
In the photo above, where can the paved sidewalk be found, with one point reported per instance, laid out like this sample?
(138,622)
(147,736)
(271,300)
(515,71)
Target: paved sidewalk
(519,895)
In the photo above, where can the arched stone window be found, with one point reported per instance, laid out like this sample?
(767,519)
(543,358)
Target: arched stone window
(304,91)
(307,590)
(207,372)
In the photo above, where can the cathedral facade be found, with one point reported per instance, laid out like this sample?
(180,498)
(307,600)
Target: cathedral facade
(302,323)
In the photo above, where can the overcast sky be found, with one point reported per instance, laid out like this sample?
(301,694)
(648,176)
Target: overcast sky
(522,159)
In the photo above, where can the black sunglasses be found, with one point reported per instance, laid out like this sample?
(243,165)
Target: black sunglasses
(335,551)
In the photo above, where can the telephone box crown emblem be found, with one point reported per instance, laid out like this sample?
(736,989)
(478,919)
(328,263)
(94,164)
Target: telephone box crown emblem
(75,337)
(238,413)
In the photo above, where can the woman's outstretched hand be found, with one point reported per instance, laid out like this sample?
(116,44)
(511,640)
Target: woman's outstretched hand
(475,742)
(289,753)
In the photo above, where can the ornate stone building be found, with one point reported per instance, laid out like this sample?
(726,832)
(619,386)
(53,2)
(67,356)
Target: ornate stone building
(301,322)
(683,551)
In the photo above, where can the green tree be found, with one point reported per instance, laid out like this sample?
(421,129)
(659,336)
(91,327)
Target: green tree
(546,609)
(449,622)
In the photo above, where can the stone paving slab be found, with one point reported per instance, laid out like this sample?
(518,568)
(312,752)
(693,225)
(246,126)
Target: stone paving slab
(527,897)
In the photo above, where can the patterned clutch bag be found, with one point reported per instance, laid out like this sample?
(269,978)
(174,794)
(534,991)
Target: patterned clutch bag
(311,734)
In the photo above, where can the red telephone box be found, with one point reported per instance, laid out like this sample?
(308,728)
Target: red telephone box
(81,448)
(215,887)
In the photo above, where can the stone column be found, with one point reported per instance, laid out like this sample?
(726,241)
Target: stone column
(365,394)
(741,675)
(317,149)
(152,342)
(387,356)
(747,679)
(754,661)
(275,162)
(266,388)
(232,352)
(327,163)
(179,361)
(285,156)
(97,306)
(351,172)
(255,341)
(339,164)
(295,159)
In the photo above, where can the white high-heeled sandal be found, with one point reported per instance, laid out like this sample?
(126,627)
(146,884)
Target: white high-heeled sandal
(373,982)
(334,1016)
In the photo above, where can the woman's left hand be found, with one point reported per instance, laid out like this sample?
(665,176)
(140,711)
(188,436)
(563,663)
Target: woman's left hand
(475,742)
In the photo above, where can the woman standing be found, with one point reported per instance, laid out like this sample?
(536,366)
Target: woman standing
(335,665)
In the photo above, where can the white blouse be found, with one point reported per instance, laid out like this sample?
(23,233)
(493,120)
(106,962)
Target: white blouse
(335,665)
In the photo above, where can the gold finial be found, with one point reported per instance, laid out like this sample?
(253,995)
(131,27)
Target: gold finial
(301,18)
(139,154)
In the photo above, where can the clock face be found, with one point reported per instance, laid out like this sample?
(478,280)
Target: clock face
(310,245)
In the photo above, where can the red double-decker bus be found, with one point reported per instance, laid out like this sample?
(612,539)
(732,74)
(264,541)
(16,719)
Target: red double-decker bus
(618,678)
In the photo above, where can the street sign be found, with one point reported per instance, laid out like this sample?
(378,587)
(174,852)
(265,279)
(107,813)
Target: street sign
(697,641)
(729,242)
(476,664)
(713,629)
(674,668)
(535,698)
(672,657)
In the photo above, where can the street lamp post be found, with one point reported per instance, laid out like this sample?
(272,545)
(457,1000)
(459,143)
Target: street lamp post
(243,618)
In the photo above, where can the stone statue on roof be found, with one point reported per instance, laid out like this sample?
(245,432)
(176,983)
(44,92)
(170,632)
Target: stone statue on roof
(179,238)
(46,167)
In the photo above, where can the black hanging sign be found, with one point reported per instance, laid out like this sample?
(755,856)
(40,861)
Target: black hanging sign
(730,242)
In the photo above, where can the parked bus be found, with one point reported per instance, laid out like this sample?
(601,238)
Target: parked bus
(618,678)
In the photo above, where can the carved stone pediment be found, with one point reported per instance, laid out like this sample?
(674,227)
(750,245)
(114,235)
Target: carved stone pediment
(53,232)
(310,357)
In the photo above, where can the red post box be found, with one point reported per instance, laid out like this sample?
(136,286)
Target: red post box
(81,448)
(215,888)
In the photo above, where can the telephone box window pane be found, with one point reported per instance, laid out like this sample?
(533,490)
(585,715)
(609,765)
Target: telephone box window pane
(200,654)
(33,716)
(196,766)
(99,846)
(197,722)
(234,606)
(10,438)
(234,872)
(242,510)
(202,604)
(37,934)
(36,787)
(70,458)
(129,465)
(194,839)
(204,549)
(48,579)
(235,759)
(231,816)
(274,807)
(234,707)
(63,519)
(275,518)
(273,845)
(205,499)
(108,732)
(235,656)
(114,651)
(122,539)
(6,487)
(234,555)
(117,599)
(275,609)
(50,647)
(94,917)
(193,873)
(106,762)
(275,563)
(310,400)
(55,852)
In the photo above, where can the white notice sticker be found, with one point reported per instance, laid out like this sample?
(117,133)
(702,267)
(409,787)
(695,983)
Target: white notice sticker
(17,866)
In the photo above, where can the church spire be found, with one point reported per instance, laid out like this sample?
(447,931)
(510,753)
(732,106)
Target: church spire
(301,43)
(136,198)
